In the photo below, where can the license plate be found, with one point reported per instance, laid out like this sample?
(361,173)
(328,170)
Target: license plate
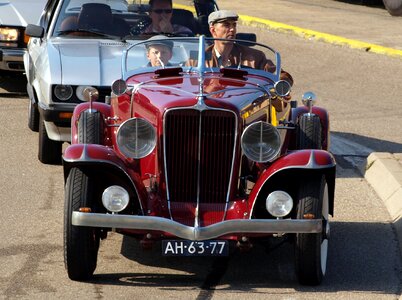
(195,248)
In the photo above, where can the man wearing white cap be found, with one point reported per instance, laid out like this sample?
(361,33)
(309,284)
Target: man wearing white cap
(223,24)
(159,51)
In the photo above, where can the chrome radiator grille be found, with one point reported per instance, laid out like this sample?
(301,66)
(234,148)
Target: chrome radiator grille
(199,149)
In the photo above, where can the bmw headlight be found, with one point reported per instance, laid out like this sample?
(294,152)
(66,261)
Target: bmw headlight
(115,198)
(79,92)
(136,138)
(63,92)
(279,204)
(261,142)
(8,34)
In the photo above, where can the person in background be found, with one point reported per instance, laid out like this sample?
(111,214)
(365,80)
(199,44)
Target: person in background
(159,52)
(160,12)
(223,24)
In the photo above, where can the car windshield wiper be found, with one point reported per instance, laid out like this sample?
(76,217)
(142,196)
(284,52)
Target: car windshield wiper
(98,33)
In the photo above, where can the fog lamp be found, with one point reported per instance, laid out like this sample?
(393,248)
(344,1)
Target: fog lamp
(115,198)
(279,203)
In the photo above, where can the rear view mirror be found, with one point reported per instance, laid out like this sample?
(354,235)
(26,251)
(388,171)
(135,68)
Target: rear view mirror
(34,31)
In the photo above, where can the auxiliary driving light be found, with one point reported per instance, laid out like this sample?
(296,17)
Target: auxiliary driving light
(279,203)
(115,198)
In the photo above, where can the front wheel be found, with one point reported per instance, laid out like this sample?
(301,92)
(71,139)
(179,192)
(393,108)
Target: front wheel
(309,132)
(312,248)
(81,244)
(33,117)
(90,127)
(49,150)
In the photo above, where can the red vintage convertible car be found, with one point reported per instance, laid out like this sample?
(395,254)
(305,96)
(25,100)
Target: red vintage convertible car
(200,158)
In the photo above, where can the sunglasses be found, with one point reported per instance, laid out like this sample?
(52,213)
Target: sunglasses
(159,11)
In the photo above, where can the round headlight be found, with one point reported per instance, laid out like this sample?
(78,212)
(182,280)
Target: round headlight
(279,204)
(115,198)
(136,138)
(63,92)
(261,142)
(79,92)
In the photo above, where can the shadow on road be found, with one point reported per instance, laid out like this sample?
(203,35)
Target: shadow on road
(371,3)
(12,85)
(377,145)
(362,257)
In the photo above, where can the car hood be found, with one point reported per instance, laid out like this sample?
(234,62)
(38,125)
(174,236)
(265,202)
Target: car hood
(89,62)
(20,13)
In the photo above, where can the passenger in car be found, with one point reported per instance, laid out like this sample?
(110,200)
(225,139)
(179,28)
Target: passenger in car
(223,24)
(160,12)
(159,52)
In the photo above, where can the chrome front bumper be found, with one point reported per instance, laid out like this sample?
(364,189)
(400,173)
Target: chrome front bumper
(196,233)
(12,59)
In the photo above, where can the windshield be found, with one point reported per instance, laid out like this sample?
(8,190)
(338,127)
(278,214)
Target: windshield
(202,54)
(115,18)
(106,17)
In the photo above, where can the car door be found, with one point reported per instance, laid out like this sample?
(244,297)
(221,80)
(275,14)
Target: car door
(36,45)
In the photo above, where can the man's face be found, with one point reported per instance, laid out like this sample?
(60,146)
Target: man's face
(225,29)
(161,11)
(157,53)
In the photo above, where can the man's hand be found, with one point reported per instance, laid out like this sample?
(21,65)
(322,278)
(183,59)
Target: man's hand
(165,25)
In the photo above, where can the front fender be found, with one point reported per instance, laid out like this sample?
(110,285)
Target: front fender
(302,163)
(102,159)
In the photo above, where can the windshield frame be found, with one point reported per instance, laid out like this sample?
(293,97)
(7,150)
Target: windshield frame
(201,67)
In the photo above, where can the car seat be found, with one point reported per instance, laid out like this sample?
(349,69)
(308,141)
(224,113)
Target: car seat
(185,18)
(99,17)
(95,16)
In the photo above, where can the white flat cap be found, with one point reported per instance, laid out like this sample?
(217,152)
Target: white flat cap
(220,15)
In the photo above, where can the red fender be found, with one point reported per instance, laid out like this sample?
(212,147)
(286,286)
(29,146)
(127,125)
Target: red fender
(102,157)
(301,159)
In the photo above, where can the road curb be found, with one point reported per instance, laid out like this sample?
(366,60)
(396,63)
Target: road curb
(310,34)
(384,174)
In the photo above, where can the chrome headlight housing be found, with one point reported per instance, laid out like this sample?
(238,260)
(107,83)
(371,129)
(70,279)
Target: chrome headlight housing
(136,138)
(279,204)
(115,198)
(63,92)
(261,142)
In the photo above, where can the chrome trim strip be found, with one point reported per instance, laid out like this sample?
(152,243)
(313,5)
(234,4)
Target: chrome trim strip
(196,233)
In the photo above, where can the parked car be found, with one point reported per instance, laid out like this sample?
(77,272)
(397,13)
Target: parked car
(199,158)
(78,43)
(14,17)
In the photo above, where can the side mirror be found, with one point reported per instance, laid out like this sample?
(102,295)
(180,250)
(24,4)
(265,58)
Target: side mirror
(35,31)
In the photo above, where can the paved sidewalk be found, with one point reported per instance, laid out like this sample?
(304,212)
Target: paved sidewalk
(384,173)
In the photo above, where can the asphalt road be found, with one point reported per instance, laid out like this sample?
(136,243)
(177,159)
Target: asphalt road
(361,92)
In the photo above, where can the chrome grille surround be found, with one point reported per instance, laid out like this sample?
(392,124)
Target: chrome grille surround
(195,192)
